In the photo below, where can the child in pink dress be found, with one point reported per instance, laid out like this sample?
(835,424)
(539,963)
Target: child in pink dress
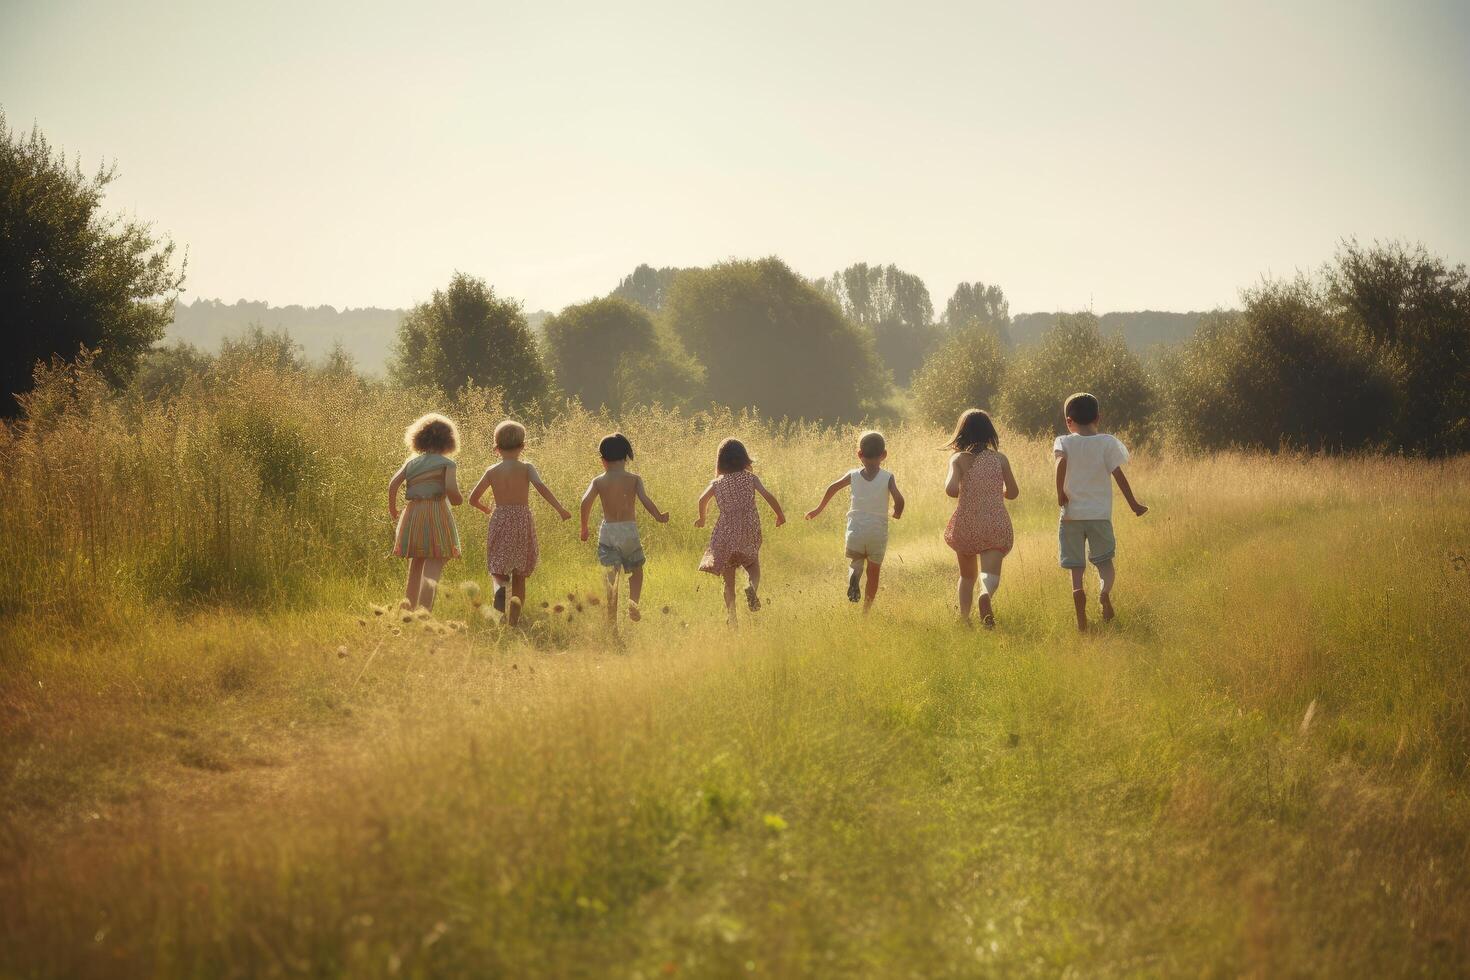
(510,542)
(979,530)
(736,541)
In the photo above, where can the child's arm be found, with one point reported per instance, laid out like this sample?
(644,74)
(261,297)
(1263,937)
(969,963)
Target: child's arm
(1138,509)
(393,486)
(587,499)
(546,493)
(1061,479)
(479,492)
(661,516)
(775,504)
(1013,489)
(898,501)
(952,481)
(704,500)
(827,497)
(451,485)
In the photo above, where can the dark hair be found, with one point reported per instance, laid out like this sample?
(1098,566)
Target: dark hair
(615,447)
(871,445)
(1082,408)
(732,457)
(973,431)
(432,433)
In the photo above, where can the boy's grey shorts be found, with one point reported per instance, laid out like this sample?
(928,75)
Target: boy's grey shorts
(1097,536)
(618,545)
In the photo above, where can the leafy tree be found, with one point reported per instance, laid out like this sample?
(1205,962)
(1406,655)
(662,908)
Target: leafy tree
(1416,311)
(647,286)
(466,333)
(72,277)
(976,303)
(769,340)
(609,353)
(165,371)
(1281,373)
(258,347)
(965,371)
(1075,356)
(894,305)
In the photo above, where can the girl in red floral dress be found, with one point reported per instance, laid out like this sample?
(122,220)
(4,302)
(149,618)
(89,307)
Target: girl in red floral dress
(979,531)
(736,541)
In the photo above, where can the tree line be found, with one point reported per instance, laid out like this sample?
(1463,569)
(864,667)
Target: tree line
(1370,352)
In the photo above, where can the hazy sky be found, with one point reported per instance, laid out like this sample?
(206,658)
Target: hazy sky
(1133,155)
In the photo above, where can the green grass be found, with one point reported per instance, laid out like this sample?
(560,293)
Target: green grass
(201,786)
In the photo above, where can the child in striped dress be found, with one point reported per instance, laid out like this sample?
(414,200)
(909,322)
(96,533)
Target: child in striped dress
(511,550)
(426,533)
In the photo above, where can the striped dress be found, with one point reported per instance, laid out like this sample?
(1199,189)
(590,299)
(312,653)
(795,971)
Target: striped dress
(426,526)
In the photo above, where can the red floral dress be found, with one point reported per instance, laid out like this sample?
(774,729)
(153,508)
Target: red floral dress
(510,541)
(736,540)
(980,522)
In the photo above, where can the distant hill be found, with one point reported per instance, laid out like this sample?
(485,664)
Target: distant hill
(1141,329)
(367,334)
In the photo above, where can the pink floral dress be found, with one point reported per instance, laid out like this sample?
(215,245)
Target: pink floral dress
(980,522)
(510,543)
(736,540)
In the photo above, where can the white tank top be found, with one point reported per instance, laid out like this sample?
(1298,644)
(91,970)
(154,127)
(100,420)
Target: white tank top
(870,496)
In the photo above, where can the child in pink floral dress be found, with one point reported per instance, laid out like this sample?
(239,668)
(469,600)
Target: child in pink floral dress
(510,543)
(736,541)
(979,530)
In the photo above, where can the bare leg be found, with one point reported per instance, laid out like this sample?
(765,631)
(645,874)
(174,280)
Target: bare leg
(753,590)
(1108,574)
(517,598)
(870,592)
(990,564)
(965,590)
(1079,597)
(429,581)
(611,578)
(415,577)
(635,591)
(730,593)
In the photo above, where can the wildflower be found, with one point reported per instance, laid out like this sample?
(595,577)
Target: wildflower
(558,609)
(341,652)
(666,610)
(421,614)
(487,613)
(378,610)
(408,617)
(471,589)
(571,597)
(592,600)
(774,822)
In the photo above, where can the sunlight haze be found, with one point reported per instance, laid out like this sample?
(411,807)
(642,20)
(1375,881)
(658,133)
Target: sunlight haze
(1119,156)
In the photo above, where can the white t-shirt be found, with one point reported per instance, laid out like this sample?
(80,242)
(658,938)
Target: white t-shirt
(1090,464)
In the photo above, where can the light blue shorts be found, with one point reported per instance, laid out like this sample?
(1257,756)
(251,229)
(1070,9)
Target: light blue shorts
(867,537)
(618,545)
(1096,536)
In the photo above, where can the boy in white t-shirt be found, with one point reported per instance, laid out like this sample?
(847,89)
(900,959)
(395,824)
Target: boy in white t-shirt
(1085,459)
(867,518)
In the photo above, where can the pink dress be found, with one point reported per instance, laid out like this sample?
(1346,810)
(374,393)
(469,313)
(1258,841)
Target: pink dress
(980,522)
(510,542)
(736,540)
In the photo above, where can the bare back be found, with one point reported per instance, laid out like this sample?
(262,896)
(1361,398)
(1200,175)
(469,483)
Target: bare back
(618,492)
(510,481)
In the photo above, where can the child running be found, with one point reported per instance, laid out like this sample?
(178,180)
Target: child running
(867,515)
(510,541)
(1085,458)
(426,534)
(979,530)
(618,547)
(736,541)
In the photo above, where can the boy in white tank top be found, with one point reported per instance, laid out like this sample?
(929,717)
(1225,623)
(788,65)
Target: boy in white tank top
(867,517)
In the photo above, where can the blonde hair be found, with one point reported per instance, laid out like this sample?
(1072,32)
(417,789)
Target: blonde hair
(510,435)
(432,433)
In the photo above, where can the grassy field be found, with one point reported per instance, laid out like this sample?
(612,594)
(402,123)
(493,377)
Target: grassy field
(217,760)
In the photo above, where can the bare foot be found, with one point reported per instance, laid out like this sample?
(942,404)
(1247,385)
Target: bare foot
(1079,602)
(633,613)
(1107,606)
(751,599)
(987,614)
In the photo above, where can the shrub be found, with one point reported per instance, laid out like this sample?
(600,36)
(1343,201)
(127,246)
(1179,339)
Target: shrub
(1075,356)
(1282,373)
(965,372)
(770,341)
(608,353)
